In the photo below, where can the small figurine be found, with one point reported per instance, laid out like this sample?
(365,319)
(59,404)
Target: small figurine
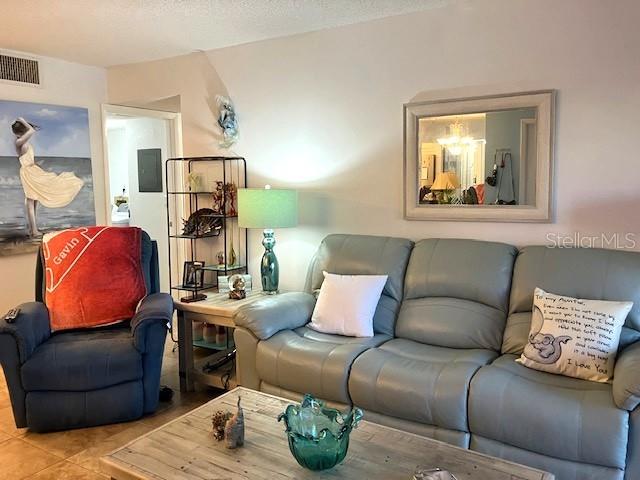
(232,255)
(219,421)
(218,198)
(220,257)
(231,193)
(237,290)
(195,182)
(234,429)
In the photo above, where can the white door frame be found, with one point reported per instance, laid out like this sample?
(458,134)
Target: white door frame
(175,121)
(525,123)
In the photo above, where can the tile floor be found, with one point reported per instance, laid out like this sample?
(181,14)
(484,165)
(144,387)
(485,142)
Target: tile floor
(75,454)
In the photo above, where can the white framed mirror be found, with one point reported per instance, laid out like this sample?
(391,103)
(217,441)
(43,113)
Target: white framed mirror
(480,159)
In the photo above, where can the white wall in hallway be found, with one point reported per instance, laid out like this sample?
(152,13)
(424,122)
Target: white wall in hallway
(118,167)
(147,209)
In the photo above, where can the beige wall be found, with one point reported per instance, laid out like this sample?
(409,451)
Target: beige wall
(322,112)
(188,84)
(63,83)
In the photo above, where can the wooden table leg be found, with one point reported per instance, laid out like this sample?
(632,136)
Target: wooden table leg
(185,353)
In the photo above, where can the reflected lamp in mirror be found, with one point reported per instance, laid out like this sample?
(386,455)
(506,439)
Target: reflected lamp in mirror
(498,149)
(268,208)
(445,185)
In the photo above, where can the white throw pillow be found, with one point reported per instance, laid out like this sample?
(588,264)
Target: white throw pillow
(574,337)
(346,304)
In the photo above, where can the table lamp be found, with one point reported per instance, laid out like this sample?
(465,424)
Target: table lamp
(446,182)
(268,208)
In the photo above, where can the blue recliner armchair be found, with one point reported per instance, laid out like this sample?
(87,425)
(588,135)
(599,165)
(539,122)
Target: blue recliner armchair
(88,377)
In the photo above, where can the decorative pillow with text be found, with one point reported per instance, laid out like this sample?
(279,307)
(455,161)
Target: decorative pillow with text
(574,337)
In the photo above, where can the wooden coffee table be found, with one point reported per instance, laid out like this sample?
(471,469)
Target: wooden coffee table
(185,449)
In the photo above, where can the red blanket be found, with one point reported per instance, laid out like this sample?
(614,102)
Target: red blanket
(93,276)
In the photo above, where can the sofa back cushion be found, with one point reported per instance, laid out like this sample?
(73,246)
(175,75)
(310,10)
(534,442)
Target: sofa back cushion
(365,255)
(589,273)
(456,293)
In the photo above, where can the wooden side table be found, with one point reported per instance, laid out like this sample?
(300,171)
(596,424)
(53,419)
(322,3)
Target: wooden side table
(216,309)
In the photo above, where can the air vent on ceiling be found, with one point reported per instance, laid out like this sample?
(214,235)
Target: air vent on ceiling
(23,70)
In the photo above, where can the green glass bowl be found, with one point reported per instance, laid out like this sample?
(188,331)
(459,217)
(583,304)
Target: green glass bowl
(318,436)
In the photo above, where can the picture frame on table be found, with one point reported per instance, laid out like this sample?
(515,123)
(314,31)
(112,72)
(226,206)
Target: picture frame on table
(193,274)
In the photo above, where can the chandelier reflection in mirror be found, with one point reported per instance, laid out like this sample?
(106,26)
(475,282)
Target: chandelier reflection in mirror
(454,145)
(458,140)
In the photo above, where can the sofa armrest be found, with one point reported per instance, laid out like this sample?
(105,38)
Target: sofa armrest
(155,309)
(29,330)
(626,378)
(267,316)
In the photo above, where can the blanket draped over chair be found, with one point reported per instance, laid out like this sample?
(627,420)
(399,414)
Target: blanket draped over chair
(93,276)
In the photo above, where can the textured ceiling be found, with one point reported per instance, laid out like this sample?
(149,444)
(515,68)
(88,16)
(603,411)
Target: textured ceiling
(112,32)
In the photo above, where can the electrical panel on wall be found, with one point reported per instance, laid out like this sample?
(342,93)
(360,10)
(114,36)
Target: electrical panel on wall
(18,69)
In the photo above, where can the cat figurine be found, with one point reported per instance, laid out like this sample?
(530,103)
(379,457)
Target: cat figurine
(234,429)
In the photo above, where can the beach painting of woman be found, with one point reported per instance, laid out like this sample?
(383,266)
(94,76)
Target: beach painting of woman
(46,182)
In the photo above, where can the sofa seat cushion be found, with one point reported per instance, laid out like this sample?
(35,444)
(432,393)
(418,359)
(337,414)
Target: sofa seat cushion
(417,382)
(78,361)
(307,361)
(549,414)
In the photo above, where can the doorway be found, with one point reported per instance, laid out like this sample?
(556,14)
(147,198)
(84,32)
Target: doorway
(137,143)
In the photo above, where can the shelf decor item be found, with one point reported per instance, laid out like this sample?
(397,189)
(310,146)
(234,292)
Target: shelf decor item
(318,436)
(218,198)
(209,333)
(231,198)
(268,209)
(237,287)
(202,222)
(232,254)
(221,335)
(225,283)
(195,182)
(193,274)
(198,330)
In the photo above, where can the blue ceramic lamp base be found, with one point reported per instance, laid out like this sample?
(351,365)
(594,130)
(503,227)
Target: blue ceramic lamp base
(269,269)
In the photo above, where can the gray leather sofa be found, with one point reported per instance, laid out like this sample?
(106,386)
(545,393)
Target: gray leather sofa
(279,355)
(453,317)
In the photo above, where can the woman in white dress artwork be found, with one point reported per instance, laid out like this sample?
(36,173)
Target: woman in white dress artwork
(47,188)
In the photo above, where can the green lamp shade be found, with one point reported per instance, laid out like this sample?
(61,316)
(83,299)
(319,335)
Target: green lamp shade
(267,208)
